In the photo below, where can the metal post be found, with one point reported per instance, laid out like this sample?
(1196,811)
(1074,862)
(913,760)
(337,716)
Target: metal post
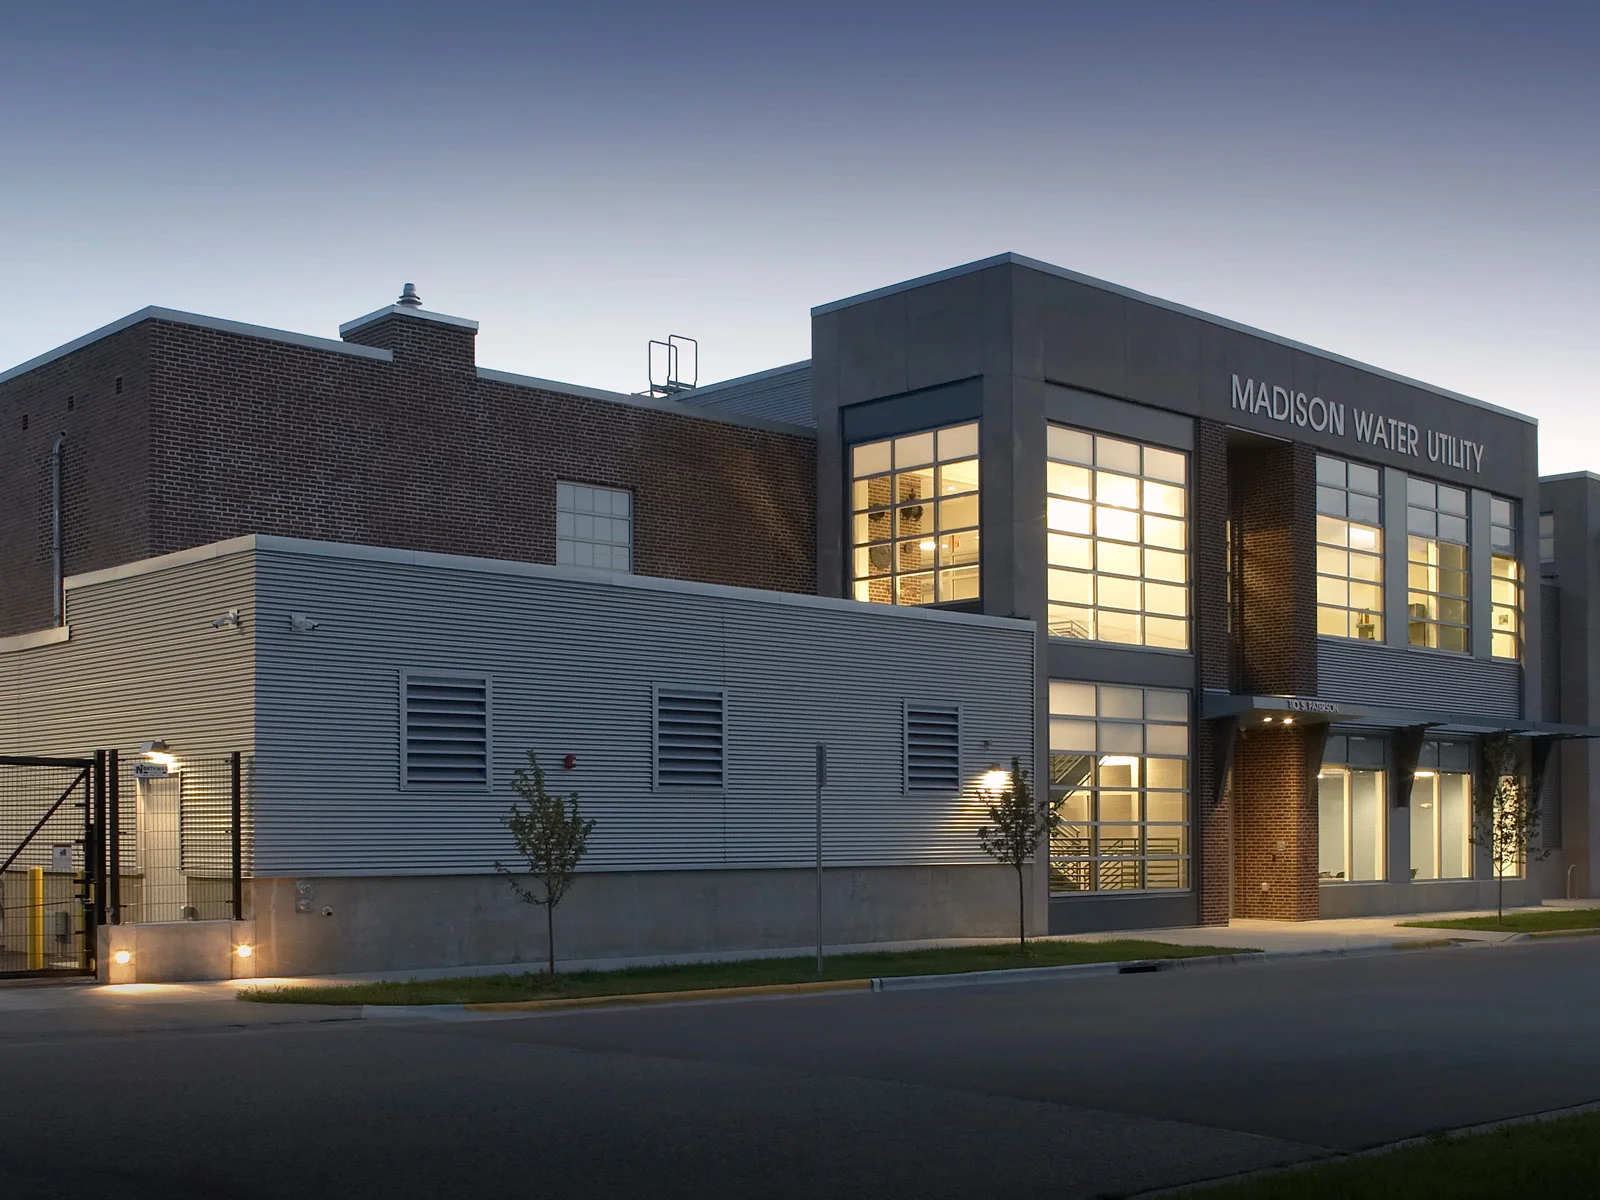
(238,837)
(94,846)
(35,927)
(113,839)
(822,778)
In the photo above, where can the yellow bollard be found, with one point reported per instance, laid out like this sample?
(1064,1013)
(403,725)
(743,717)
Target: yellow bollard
(35,918)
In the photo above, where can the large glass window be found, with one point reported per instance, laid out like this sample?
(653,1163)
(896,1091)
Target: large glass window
(1441,812)
(1437,570)
(1505,585)
(1351,811)
(1119,764)
(1117,541)
(1349,550)
(914,517)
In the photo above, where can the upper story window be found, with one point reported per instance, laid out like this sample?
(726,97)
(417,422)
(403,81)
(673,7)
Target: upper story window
(1547,537)
(1505,584)
(1438,575)
(594,527)
(1118,541)
(1349,550)
(914,517)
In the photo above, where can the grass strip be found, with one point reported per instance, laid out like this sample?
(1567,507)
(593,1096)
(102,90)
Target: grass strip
(1542,921)
(1552,1160)
(752,972)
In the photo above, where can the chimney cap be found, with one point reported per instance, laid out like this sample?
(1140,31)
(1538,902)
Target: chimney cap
(409,297)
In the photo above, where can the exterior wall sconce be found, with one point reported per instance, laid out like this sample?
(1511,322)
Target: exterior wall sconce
(995,780)
(122,957)
(244,950)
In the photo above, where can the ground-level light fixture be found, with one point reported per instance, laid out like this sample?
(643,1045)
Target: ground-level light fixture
(122,957)
(244,949)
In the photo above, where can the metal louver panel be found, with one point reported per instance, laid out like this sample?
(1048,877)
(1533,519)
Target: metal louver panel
(689,737)
(933,749)
(446,730)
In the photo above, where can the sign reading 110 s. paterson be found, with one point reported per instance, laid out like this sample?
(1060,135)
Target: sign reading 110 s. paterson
(1329,416)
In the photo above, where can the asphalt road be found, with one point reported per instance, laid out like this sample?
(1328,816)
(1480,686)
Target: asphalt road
(1092,1087)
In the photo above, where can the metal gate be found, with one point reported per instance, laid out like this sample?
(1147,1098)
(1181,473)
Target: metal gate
(52,862)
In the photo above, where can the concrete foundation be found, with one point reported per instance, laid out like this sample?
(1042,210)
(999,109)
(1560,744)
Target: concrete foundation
(176,952)
(329,925)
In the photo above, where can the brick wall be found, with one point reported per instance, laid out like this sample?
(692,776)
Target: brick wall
(105,470)
(1268,492)
(219,434)
(1275,852)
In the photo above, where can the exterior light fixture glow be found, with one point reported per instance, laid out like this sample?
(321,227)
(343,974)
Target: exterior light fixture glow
(1288,720)
(244,950)
(122,958)
(995,780)
(1266,720)
(156,751)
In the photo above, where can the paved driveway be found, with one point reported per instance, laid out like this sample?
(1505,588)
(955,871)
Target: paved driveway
(1093,1087)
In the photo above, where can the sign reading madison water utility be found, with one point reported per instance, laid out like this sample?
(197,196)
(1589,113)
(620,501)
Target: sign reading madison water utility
(1375,429)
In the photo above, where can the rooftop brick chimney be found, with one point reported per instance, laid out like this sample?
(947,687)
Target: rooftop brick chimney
(416,336)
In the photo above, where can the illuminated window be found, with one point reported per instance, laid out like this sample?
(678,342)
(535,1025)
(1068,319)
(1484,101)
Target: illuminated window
(1351,811)
(1119,764)
(1441,812)
(1117,541)
(594,527)
(914,517)
(1505,584)
(1547,537)
(1349,550)
(1437,573)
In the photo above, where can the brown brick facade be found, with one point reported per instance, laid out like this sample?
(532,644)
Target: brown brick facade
(1275,852)
(218,434)
(1257,823)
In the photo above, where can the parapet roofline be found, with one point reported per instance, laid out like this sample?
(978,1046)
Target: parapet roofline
(756,377)
(272,544)
(1589,475)
(356,350)
(1034,264)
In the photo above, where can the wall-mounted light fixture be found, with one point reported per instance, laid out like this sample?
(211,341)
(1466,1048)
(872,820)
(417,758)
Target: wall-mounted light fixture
(244,949)
(995,780)
(122,957)
(156,751)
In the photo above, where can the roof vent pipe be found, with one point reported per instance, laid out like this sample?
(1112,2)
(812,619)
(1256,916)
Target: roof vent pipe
(57,597)
(409,297)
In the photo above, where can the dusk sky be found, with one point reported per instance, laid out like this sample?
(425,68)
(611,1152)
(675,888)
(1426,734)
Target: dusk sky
(1414,185)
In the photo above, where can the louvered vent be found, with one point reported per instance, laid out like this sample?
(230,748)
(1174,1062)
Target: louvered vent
(933,749)
(689,737)
(447,730)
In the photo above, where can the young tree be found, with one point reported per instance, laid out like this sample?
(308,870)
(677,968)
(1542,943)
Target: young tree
(1505,807)
(1020,824)
(551,839)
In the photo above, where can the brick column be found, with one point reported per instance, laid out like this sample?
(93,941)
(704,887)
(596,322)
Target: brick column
(1274,789)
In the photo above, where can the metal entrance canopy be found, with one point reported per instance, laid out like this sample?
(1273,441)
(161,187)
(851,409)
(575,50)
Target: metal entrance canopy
(1316,710)
(1275,710)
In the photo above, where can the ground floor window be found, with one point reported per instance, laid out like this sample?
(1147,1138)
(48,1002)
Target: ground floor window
(1119,764)
(1351,812)
(1441,812)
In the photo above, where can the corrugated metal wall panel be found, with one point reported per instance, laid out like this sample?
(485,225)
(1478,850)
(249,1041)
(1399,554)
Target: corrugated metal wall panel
(144,661)
(1364,673)
(573,663)
(778,395)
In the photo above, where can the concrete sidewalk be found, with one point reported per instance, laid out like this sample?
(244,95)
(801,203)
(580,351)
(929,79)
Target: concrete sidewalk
(34,1009)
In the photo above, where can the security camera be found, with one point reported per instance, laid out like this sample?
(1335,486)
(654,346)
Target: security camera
(231,617)
(300,623)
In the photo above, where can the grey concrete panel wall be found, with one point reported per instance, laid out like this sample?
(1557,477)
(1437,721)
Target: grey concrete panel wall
(1093,914)
(143,661)
(573,658)
(1368,673)
(1341,900)
(389,923)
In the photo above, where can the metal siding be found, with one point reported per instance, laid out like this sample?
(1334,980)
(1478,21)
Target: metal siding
(143,661)
(1550,651)
(1367,673)
(573,664)
(784,396)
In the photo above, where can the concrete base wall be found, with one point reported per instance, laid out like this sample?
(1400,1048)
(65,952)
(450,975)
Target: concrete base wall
(1099,914)
(175,952)
(1445,895)
(395,922)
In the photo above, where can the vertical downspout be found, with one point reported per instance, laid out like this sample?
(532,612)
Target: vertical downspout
(57,597)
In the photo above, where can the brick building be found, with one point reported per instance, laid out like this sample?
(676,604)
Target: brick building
(1277,599)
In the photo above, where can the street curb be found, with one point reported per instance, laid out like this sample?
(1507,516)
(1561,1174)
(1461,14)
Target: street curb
(1541,934)
(725,993)
(905,983)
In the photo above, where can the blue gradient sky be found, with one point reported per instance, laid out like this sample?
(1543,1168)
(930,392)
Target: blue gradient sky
(1411,184)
